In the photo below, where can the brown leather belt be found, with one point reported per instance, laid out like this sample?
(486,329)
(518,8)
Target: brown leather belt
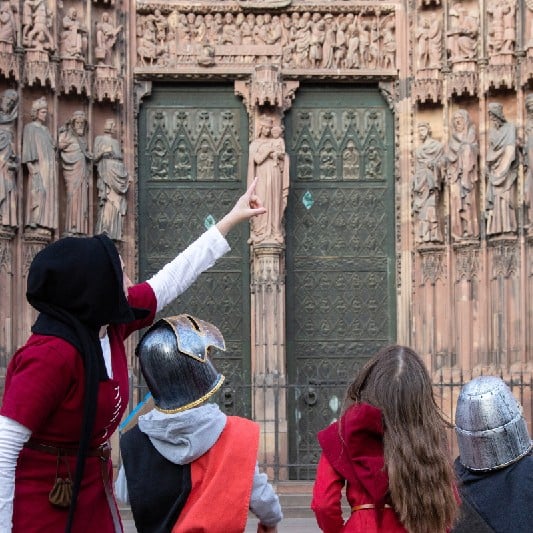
(103,452)
(364,506)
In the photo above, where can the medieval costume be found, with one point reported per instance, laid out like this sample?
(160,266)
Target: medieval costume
(495,465)
(185,468)
(352,455)
(67,389)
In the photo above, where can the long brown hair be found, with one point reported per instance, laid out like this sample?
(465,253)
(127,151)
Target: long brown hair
(417,460)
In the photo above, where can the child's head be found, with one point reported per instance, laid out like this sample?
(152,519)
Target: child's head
(396,381)
(174,360)
(415,446)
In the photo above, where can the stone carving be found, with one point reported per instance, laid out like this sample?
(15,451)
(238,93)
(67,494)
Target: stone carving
(112,183)
(73,54)
(107,82)
(37,22)
(426,186)
(296,40)
(463,176)
(270,163)
(72,144)
(73,42)
(428,84)
(106,38)
(463,36)
(501,40)
(528,161)
(8,159)
(501,31)
(462,46)
(502,173)
(8,40)
(38,41)
(39,155)
(429,38)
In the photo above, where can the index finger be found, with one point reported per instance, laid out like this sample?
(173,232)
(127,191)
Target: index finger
(251,188)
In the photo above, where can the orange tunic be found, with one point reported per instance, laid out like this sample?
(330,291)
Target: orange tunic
(221,482)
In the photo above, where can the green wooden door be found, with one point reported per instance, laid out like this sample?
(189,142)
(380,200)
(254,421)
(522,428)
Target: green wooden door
(193,155)
(340,252)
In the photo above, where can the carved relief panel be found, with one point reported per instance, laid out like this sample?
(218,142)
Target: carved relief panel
(343,37)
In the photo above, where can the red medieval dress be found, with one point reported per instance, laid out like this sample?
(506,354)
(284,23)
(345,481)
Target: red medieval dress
(352,456)
(44,392)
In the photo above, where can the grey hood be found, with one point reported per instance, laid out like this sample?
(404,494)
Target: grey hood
(183,437)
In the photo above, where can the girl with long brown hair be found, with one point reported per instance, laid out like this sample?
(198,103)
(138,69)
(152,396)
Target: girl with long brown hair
(390,450)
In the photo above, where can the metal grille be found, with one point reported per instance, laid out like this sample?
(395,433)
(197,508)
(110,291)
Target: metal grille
(302,466)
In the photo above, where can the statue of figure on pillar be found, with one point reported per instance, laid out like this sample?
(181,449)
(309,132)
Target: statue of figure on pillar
(463,175)
(72,144)
(502,173)
(429,36)
(36,26)
(528,162)
(73,37)
(106,37)
(426,186)
(463,34)
(112,183)
(270,163)
(39,155)
(9,161)
(8,28)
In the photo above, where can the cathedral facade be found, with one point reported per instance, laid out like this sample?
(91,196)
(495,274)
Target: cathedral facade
(391,141)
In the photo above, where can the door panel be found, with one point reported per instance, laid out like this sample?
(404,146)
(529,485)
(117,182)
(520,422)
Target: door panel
(340,252)
(193,154)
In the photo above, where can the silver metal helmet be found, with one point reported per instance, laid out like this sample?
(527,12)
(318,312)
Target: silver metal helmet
(174,359)
(491,430)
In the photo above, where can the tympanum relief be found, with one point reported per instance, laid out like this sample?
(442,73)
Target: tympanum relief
(298,40)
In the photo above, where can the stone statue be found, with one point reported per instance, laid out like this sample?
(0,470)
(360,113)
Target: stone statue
(462,157)
(113,182)
(38,21)
(528,160)
(270,163)
(8,159)
(73,37)
(502,173)
(106,37)
(72,144)
(8,28)
(429,36)
(39,155)
(463,34)
(426,185)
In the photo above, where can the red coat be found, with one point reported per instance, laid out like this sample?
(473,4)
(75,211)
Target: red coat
(352,456)
(44,391)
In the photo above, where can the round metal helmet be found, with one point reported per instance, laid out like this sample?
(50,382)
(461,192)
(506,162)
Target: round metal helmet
(174,359)
(491,430)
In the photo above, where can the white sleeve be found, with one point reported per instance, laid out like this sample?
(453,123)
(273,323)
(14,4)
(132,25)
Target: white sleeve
(178,275)
(264,502)
(12,438)
(121,486)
